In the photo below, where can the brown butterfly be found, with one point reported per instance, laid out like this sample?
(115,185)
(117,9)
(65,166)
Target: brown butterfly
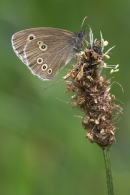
(46,50)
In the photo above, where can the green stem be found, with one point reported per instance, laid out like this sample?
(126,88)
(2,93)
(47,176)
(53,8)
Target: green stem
(107,160)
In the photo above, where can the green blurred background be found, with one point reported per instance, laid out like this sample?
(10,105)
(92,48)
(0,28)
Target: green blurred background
(43,150)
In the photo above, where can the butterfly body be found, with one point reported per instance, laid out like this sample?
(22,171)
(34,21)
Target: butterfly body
(46,50)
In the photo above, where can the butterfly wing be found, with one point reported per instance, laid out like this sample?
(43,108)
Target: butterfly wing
(45,62)
(46,55)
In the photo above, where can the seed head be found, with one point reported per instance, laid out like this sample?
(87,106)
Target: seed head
(92,93)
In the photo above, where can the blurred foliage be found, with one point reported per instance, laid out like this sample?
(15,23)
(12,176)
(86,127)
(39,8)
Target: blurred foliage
(43,149)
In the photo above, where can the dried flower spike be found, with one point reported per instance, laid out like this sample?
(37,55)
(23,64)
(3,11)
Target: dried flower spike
(92,93)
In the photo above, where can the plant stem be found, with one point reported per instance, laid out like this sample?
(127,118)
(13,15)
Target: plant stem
(107,160)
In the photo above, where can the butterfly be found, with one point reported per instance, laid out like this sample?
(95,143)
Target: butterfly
(47,50)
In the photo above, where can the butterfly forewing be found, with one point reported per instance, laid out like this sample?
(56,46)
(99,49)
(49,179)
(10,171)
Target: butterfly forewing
(20,39)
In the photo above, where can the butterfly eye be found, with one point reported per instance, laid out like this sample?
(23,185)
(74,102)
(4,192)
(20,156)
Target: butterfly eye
(31,37)
(39,42)
(49,71)
(39,60)
(43,47)
(44,67)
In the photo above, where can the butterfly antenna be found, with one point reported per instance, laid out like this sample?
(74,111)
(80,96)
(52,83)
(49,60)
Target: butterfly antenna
(53,84)
(83,22)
